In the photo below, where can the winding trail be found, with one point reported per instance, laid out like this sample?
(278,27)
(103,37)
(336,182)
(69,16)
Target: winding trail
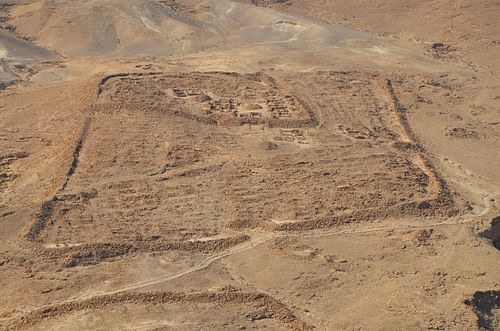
(256,239)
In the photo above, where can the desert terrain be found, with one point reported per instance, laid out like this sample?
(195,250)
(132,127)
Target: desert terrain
(248,165)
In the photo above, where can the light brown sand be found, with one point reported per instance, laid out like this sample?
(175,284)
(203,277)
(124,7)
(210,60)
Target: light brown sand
(180,165)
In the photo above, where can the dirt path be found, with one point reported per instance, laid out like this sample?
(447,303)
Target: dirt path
(257,239)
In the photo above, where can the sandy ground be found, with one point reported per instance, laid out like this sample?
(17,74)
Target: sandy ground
(194,165)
